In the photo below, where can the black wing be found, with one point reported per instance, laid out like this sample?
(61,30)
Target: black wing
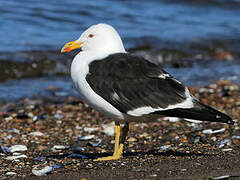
(129,82)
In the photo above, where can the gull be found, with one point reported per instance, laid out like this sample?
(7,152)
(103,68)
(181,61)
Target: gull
(129,88)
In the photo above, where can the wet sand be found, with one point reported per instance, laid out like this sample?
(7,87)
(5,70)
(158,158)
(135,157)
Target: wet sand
(165,149)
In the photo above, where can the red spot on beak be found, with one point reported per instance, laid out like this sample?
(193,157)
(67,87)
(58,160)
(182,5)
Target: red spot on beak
(67,49)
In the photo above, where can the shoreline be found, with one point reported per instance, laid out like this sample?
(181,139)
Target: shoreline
(169,148)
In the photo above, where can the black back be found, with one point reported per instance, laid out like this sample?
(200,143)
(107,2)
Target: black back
(135,81)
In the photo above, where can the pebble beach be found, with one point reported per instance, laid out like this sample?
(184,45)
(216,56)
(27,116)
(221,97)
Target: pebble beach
(59,138)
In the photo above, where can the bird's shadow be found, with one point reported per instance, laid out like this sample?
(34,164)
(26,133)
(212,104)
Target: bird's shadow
(84,155)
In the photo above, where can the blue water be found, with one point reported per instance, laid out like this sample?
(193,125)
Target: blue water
(27,25)
(199,75)
(42,24)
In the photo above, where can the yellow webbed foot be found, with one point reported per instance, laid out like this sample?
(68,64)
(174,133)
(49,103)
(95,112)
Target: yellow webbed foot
(116,155)
(108,158)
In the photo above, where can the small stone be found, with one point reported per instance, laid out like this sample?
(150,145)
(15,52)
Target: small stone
(8,137)
(41,148)
(10,173)
(42,172)
(31,115)
(18,148)
(225,142)
(90,130)
(235,137)
(95,143)
(58,116)
(219,130)
(223,177)
(165,147)
(57,166)
(4,149)
(153,175)
(58,148)
(198,139)
(8,118)
(85,138)
(39,158)
(39,117)
(207,131)
(132,139)
(15,157)
(78,149)
(37,133)
(226,150)
(16,153)
(14,130)
(74,155)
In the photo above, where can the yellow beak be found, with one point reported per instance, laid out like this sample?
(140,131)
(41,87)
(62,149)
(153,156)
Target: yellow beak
(71,46)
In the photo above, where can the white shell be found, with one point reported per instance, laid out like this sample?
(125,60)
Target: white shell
(43,171)
(15,148)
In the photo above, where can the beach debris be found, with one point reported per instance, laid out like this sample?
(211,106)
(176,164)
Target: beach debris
(15,157)
(14,130)
(224,177)
(39,117)
(10,173)
(132,139)
(36,133)
(109,128)
(224,142)
(74,155)
(226,150)
(78,149)
(214,138)
(153,175)
(210,131)
(4,149)
(42,172)
(57,166)
(59,116)
(39,158)
(8,137)
(198,139)
(58,148)
(161,136)
(90,130)
(85,138)
(235,137)
(164,148)
(94,143)
(16,148)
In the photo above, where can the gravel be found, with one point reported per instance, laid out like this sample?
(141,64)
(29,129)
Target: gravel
(60,138)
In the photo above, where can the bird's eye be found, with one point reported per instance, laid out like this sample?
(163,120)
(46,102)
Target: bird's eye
(90,35)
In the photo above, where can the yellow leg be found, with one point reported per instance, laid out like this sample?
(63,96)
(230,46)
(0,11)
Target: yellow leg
(117,150)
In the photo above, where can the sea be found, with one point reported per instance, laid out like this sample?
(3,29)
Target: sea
(197,41)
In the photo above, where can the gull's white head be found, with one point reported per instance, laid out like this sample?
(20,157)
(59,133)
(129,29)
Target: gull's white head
(97,38)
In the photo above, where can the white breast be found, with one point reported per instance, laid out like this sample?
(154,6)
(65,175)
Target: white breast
(79,70)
